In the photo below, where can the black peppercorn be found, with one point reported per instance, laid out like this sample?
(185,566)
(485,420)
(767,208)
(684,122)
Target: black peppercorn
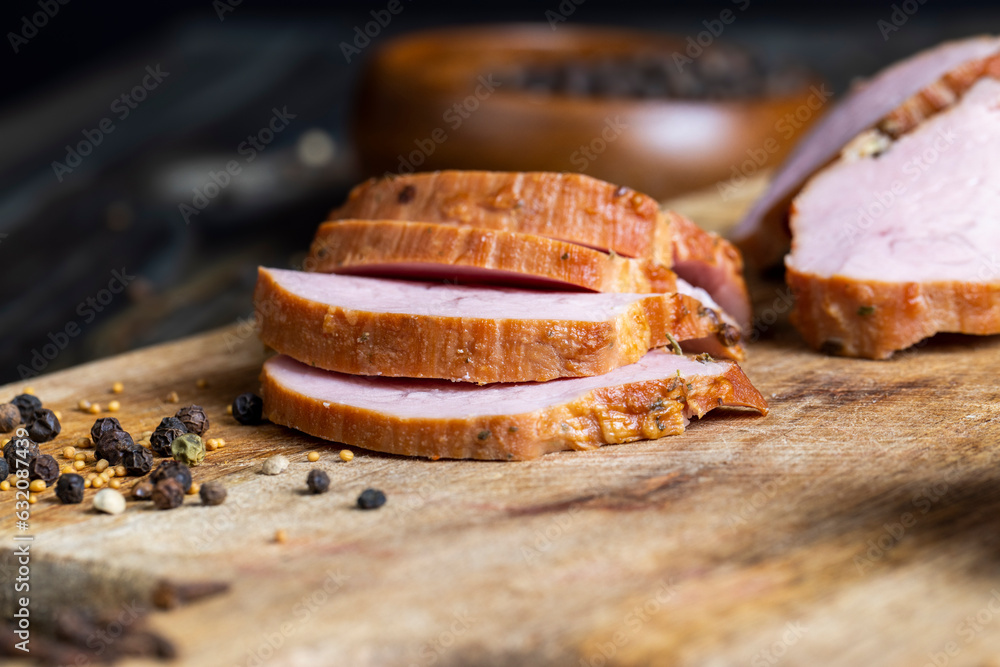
(194,418)
(371,499)
(143,490)
(112,445)
(27,404)
(169,429)
(172,470)
(168,494)
(4,469)
(248,409)
(102,426)
(137,461)
(212,493)
(18,461)
(318,481)
(45,468)
(10,417)
(69,488)
(43,426)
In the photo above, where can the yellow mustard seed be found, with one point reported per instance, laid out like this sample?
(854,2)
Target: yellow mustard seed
(120,471)
(220,443)
(37,486)
(117,388)
(313,457)
(115,484)
(95,408)
(201,383)
(172,397)
(114,406)
(83,405)
(88,483)
(66,469)
(281,537)
(211,444)
(79,465)
(90,457)
(5,486)
(84,443)
(32,498)
(346,455)
(69,452)
(28,390)
(229,409)
(58,414)
(102,465)
(98,482)
(195,488)
(79,456)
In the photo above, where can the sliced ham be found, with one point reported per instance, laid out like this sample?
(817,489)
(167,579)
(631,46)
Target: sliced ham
(899,239)
(763,233)
(564,206)
(472,254)
(375,326)
(652,398)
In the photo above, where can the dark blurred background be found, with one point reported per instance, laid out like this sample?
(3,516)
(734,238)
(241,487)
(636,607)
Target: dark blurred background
(98,255)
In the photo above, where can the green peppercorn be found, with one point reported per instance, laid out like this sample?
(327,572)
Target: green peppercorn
(188,449)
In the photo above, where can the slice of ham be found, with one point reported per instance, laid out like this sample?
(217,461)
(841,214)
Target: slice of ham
(431,250)
(898,240)
(763,232)
(563,206)
(374,326)
(652,398)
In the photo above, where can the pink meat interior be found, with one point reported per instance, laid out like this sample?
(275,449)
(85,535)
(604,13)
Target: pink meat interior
(928,209)
(442,399)
(437,299)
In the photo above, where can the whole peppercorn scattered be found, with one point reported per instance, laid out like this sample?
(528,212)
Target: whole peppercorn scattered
(137,462)
(274,465)
(10,417)
(26,405)
(102,426)
(318,481)
(212,493)
(248,409)
(43,426)
(188,449)
(194,419)
(371,499)
(170,429)
(4,470)
(143,490)
(44,468)
(69,489)
(109,501)
(12,457)
(167,494)
(171,469)
(112,445)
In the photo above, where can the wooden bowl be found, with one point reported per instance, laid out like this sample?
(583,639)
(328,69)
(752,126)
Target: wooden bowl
(455,98)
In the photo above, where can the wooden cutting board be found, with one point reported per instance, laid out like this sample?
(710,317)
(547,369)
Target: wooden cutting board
(857,524)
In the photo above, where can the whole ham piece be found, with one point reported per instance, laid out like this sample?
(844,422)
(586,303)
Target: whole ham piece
(763,233)
(563,206)
(652,398)
(377,326)
(900,237)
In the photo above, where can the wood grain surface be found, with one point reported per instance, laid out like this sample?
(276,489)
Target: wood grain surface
(857,524)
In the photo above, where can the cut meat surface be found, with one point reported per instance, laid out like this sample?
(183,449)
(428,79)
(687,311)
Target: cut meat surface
(563,206)
(762,234)
(373,326)
(471,254)
(652,398)
(895,244)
